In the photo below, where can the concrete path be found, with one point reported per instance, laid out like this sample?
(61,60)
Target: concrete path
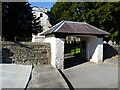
(46,77)
(91,75)
(14,76)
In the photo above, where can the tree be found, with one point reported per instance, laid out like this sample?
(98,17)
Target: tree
(16,20)
(104,15)
(66,11)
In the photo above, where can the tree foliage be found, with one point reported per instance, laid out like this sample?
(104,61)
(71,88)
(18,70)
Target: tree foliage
(16,20)
(104,15)
(65,11)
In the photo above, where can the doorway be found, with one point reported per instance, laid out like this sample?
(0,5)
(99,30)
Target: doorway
(74,51)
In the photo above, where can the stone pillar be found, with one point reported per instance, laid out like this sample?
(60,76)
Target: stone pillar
(57,51)
(98,51)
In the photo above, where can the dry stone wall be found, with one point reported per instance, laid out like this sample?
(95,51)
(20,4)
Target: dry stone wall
(26,53)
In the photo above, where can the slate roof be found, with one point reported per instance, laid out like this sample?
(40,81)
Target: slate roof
(71,27)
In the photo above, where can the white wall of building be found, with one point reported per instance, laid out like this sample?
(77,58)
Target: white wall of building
(52,41)
(95,49)
(60,52)
(57,51)
(38,38)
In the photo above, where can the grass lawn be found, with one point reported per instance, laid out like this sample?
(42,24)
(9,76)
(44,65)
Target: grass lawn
(75,51)
(72,49)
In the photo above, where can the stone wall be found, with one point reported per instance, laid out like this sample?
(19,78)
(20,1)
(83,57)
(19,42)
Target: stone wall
(26,53)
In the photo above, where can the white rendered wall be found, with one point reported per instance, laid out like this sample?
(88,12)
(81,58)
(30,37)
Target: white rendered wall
(91,46)
(95,49)
(57,51)
(38,38)
(60,53)
(52,41)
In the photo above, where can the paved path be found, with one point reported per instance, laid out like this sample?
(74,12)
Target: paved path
(46,77)
(87,75)
(91,75)
(14,76)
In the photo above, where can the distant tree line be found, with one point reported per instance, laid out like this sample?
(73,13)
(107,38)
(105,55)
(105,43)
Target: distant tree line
(104,15)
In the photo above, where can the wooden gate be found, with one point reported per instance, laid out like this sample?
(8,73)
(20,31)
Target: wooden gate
(74,52)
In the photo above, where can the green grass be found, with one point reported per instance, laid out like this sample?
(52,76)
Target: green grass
(75,51)
(72,50)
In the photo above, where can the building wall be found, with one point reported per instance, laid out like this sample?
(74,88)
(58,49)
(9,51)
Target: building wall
(26,53)
(38,38)
(91,46)
(95,49)
(60,53)
(57,51)
(52,41)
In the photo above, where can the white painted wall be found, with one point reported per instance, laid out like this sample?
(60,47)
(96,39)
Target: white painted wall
(38,38)
(91,46)
(60,53)
(52,41)
(95,49)
(57,51)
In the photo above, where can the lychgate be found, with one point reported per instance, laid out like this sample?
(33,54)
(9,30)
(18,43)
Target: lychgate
(91,36)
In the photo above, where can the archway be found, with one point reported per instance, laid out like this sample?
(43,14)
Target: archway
(74,51)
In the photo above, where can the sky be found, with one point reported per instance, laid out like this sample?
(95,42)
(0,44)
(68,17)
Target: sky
(42,4)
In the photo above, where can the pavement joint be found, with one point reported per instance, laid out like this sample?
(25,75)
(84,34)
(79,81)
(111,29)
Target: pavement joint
(67,81)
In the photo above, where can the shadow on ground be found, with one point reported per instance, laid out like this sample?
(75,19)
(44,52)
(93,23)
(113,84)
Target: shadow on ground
(6,54)
(108,51)
(73,61)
